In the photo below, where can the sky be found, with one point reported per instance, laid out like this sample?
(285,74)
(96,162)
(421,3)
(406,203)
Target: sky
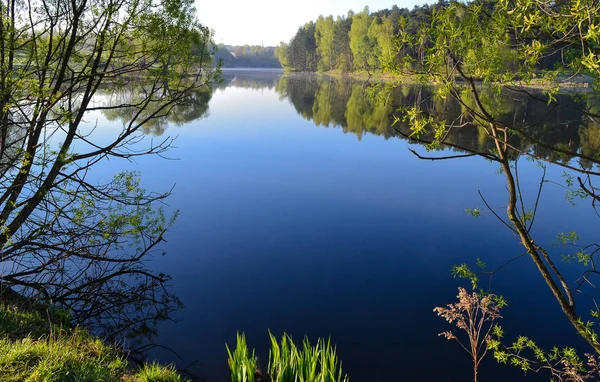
(267,22)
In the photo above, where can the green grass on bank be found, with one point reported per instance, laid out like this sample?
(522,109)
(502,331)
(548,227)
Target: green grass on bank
(33,348)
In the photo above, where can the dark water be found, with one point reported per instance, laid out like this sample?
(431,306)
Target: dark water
(303,210)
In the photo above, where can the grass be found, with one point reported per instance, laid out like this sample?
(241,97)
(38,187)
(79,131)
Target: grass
(242,364)
(36,349)
(155,373)
(287,362)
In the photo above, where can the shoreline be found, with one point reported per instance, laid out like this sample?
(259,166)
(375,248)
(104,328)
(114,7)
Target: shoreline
(57,349)
(577,83)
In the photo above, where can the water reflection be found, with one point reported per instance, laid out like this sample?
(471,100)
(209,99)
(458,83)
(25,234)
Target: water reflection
(251,79)
(360,108)
(299,229)
(370,108)
(193,106)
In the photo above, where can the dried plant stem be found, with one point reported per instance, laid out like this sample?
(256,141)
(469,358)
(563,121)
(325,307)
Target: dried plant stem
(475,314)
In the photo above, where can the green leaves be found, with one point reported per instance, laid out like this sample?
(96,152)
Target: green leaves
(527,355)
(475,212)
(463,271)
(569,29)
(423,124)
(573,191)
(569,238)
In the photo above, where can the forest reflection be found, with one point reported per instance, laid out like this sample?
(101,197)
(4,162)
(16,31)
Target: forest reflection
(251,79)
(362,108)
(371,108)
(193,106)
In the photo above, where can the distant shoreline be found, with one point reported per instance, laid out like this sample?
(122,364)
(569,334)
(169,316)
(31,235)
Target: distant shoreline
(252,69)
(580,83)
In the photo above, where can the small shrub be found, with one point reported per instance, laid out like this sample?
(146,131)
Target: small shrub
(474,313)
(157,373)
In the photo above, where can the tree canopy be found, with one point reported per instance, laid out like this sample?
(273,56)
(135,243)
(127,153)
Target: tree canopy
(361,41)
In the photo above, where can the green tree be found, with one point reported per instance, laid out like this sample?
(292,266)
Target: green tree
(282,55)
(302,50)
(342,43)
(382,31)
(324,37)
(362,45)
(68,239)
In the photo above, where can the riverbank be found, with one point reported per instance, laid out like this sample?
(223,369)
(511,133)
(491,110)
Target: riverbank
(571,83)
(35,347)
(383,77)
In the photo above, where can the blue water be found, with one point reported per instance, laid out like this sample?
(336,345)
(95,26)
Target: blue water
(286,226)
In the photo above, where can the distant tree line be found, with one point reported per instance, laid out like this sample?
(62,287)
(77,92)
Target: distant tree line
(248,56)
(365,41)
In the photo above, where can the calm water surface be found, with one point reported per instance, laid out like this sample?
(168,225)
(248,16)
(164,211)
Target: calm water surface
(339,231)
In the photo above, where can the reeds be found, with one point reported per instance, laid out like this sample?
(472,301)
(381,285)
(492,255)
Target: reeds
(287,362)
(242,365)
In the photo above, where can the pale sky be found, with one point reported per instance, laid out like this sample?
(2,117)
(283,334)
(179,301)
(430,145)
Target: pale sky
(256,22)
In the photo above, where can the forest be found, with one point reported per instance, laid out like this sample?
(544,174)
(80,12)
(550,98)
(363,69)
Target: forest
(371,42)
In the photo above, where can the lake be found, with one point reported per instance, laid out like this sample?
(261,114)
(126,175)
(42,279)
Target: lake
(304,211)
